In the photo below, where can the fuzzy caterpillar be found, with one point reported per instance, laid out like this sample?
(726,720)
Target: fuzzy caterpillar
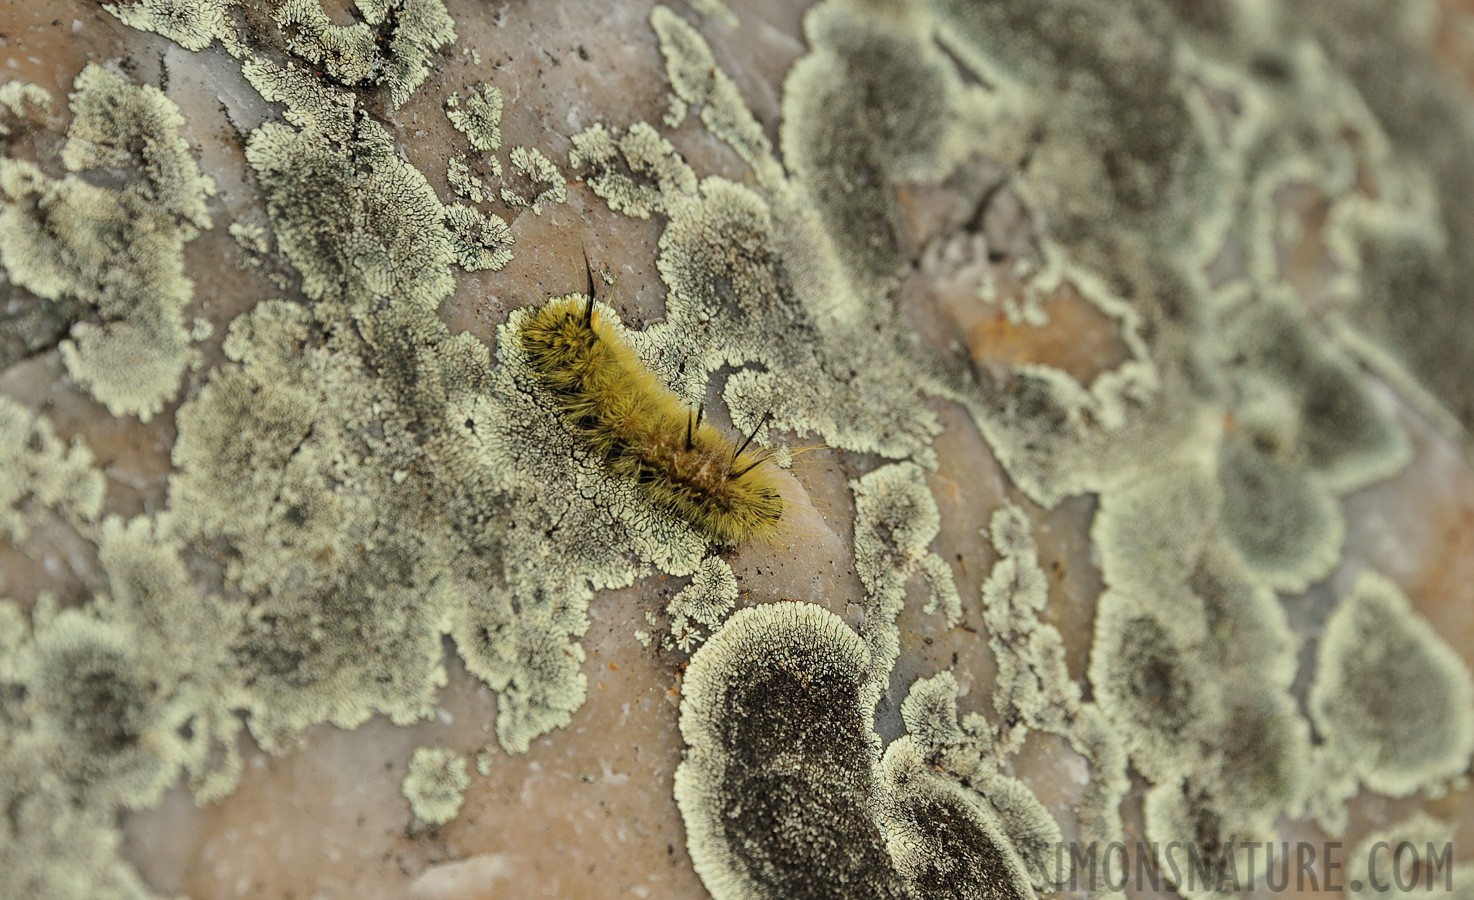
(640,428)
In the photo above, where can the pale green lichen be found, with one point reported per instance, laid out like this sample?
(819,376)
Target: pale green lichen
(1406,857)
(435,784)
(533,164)
(23,103)
(51,847)
(466,185)
(648,158)
(1034,689)
(392,45)
(192,24)
(117,252)
(896,520)
(480,119)
(1154,687)
(1392,703)
(94,705)
(38,471)
(706,601)
(696,78)
(775,713)
(966,751)
(875,103)
(1195,659)
(946,843)
(369,483)
(480,242)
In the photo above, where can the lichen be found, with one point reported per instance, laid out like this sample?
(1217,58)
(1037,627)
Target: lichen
(706,601)
(533,165)
(479,242)
(1416,850)
(966,752)
(776,712)
(945,843)
(1195,657)
(1392,703)
(392,45)
(1154,687)
(192,24)
(480,119)
(363,483)
(39,471)
(119,253)
(434,785)
(896,520)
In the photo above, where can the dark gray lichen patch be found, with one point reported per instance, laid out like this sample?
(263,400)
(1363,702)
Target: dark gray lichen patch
(783,789)
(945,841)
(780,776)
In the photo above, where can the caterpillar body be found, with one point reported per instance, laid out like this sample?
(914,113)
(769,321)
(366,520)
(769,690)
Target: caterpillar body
(642,431)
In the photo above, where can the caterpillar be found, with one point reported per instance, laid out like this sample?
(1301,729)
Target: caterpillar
(642,431)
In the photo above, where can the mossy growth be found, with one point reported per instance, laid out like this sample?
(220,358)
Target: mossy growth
(896,519)
(117,253)
(435,785)
(392,45)
(1392,703)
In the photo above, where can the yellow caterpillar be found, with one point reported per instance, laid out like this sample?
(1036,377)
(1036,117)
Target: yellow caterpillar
(641,429)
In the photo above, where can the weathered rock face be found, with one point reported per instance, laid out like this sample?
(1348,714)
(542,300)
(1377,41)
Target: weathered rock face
(1110,362)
